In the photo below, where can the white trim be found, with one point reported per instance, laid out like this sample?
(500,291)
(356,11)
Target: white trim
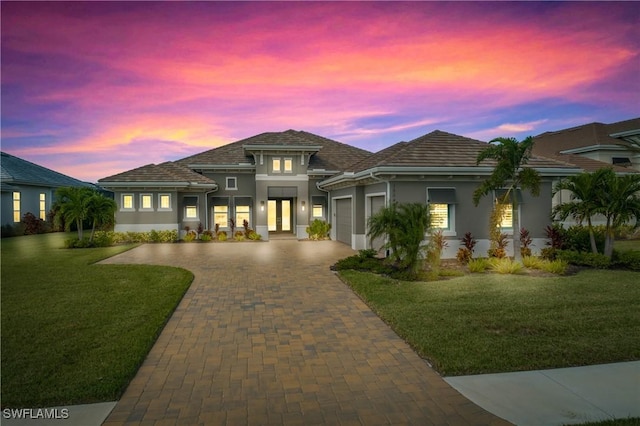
(592,148)
(451,232)
(367,212)
(230,188)
(334,229)
(146,209)
(277,178)
(284,165)
(145,227)
(273,168)
(133,202)
(164,209)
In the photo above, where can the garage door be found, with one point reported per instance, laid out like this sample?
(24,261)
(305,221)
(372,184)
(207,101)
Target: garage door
(343,221)
(375,204)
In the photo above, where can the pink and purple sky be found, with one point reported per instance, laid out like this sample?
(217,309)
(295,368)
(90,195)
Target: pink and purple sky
(96,88)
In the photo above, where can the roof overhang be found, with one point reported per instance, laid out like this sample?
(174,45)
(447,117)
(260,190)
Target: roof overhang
(221,167)
(592,148)
(390,172)
(631,136)
(282,148)
(157,184)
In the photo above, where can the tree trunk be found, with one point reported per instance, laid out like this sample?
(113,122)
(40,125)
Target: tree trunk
(516,227)
(608,239)
(93,230)
(592,237)
(79,225)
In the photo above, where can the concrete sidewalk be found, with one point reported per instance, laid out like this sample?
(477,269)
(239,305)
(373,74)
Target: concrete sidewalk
(532,398)
(559,396)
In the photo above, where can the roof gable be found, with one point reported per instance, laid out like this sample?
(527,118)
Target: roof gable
(167,173)
(329,154)
(440,149)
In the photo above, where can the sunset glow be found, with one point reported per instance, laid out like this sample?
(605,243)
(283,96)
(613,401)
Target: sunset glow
(91,89)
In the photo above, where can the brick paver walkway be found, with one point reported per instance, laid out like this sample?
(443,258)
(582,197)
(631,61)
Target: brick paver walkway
(267,334)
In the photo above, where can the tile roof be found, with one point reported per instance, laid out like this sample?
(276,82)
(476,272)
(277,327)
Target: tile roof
(332,155)
(592,134)
(14,170)
(164,172)
(440,149)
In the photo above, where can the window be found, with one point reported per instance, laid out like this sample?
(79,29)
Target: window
(507,216)
(127,202)
(16,207)
(317,206)
(288,165)
(190,207)
(43,206)
(439,215)
(621,161)
(243,213)
(146,202)
(221,216)
(232,183)
(164,202)
(275,162)
(442,203)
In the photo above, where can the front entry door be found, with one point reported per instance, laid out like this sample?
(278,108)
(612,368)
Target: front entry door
(279,215)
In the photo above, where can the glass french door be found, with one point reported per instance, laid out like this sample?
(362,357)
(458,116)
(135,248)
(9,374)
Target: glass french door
(279,215)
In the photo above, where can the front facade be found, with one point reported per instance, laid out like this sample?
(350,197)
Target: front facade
(438,169)
(270,180)
(279,182)
(29,188)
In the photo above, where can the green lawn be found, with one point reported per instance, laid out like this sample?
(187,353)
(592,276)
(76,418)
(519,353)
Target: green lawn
(487,323)
(74,332)
(624,245)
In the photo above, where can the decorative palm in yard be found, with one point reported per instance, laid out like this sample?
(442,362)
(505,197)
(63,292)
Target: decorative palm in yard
(584,188)
(77,204)
(616,198)
(405,226)
(509,173)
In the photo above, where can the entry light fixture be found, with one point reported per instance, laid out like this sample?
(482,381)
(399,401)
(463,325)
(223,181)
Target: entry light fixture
(261,206)
(303,205)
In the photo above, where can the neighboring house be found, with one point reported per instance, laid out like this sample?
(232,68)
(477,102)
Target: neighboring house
(280,182)
(29,188)
(270,180)
(592,147)
(587,146)
(438,169)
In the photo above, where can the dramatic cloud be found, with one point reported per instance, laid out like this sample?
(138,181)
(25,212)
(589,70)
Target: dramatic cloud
(90,89)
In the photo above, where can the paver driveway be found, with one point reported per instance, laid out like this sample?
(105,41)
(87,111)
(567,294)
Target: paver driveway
(267,334)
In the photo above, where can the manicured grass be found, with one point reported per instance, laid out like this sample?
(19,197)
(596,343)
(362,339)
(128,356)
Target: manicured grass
(632,421)
(497,323)
(624,245)
(74,332)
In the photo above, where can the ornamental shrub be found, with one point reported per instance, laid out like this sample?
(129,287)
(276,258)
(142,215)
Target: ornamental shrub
(594,260)
(626,260)
(318,230)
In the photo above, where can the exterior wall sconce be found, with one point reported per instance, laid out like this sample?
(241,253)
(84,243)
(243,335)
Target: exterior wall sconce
(303,205)
(261,206)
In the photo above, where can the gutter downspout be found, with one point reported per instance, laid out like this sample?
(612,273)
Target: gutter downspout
(206,204)
(328,201)
(387,200)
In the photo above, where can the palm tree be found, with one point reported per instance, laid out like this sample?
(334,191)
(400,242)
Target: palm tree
(509,173)
(619,203)
(73,205)
(405,226)
(101,211)
(586,190)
